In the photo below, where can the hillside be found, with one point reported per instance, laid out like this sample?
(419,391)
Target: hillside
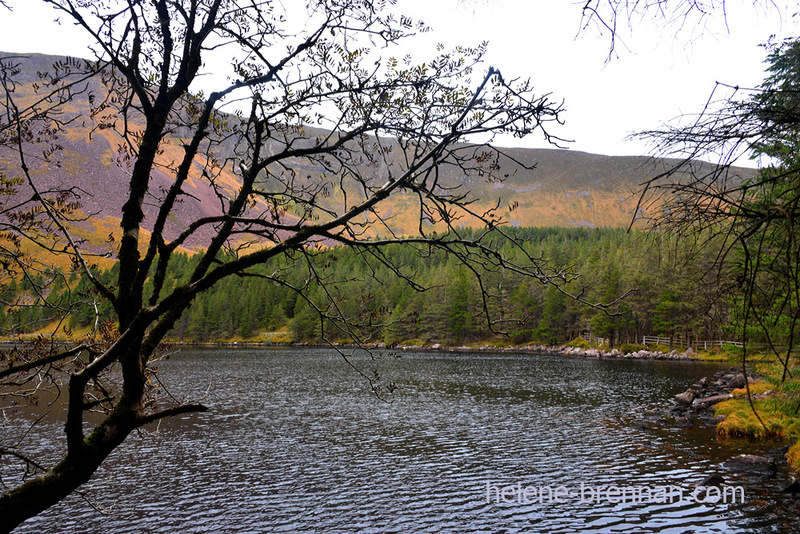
(550,187)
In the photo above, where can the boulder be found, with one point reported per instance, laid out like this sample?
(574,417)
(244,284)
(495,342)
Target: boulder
(715,399)
(702,383)
(752,463)
(737,381)
(684,422)
(685,398)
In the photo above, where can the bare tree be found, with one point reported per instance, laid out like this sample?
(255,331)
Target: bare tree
(617,18)
(324,124)
(751,216)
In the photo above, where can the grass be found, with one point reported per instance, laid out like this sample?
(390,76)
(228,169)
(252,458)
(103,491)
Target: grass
(777,404)
(759,387)
(714,356)
(742,422)
(58,331)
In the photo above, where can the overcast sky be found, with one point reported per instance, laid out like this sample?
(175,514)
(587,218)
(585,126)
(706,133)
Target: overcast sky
(656,77)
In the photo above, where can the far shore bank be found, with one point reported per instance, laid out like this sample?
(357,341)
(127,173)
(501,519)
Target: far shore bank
(564,350)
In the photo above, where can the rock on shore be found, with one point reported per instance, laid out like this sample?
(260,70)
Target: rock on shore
(697,403)
(689,354)
(696,406)
(638,355)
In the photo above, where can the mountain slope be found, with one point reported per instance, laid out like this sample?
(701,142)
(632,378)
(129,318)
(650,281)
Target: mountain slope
(548,187)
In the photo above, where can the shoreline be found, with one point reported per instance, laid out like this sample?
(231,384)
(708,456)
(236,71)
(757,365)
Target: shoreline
(675,355)
(698,407)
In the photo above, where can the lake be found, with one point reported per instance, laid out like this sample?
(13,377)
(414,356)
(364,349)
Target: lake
(296,442)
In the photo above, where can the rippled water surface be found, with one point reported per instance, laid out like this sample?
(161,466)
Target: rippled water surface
(295,442)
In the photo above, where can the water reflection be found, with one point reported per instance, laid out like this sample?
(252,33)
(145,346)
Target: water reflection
(294,442)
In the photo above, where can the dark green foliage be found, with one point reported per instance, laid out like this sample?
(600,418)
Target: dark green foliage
(661,288)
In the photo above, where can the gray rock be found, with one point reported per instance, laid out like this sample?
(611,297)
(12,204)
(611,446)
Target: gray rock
(684,422)
(715,399)
(737,381)
(702,383)
(685,398)
(752,463)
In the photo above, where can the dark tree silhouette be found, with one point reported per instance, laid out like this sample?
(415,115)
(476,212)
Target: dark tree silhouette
(323,125)
(752,215)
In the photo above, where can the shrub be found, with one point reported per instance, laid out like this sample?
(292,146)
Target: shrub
(580,343)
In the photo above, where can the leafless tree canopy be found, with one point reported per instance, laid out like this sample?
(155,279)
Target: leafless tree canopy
(690,18)
(751,216)
(323,123)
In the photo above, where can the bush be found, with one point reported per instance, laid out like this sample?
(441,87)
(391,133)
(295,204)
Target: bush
(580,343)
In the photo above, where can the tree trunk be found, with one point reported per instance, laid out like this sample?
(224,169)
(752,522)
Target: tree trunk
(39,494)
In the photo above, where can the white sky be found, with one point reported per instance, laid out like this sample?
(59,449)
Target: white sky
(655,79)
